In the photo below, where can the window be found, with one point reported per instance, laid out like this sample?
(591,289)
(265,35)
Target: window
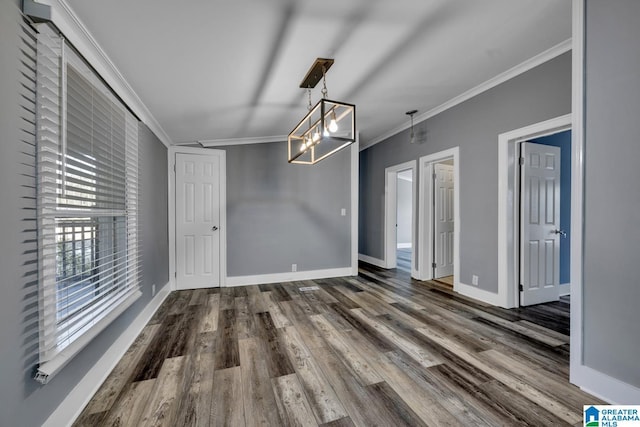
(87,203)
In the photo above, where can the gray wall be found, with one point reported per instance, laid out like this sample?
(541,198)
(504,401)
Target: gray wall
(612,189)
(23,402)
(537,95)
(280,214)
(154,223)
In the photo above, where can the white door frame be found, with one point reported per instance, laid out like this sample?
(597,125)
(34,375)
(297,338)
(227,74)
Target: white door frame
(425,214)
(509,195)
(173,150)
(390,212)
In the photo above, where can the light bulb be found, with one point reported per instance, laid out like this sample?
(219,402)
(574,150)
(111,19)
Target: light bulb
(316,135)
(303,147)
(333,126)
(325,132)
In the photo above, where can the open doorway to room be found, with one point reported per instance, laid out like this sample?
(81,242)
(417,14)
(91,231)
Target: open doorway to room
(404,220)
(534,214)
(400,208)
(443,222)
(439,217)
(545,218)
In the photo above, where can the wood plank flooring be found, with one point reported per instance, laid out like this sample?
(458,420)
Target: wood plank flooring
(446,280)
(379,349)
(403,259)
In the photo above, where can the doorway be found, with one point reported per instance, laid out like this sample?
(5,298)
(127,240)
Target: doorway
(197,218)
(439,217)
(551,277)
(442,221)
(400,217)
(514,261)
(539,230)
(404,220)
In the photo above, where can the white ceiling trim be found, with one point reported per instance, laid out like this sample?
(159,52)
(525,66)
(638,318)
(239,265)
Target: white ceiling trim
(242,141)
(74,30)
(521,68)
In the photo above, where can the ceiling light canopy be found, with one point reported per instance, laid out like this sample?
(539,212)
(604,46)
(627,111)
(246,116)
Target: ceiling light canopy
(328,127)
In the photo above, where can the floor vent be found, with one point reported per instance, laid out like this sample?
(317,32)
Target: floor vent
(308,288)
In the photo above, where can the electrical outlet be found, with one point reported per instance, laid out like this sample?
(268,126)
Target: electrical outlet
(343,212)
(474,280)
(153,290)
(294,267)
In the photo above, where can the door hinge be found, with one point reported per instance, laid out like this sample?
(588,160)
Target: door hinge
(521,287)
(435,176)
(434,265)
(174,167)
(175,274)
(521,161)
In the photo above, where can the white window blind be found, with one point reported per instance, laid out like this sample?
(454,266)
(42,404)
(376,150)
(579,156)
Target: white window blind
(87,204)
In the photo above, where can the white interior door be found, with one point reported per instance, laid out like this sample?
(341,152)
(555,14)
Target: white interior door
(443,221)
(540,224)
(197,221)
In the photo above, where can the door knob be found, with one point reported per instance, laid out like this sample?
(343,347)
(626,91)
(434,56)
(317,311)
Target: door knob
(561,232)
(214,228)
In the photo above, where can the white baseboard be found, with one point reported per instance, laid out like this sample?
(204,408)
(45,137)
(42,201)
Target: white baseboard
(607,388)
(263,279)
(565,289)
(404,245)
(73,404)
(477,293)
(373,261)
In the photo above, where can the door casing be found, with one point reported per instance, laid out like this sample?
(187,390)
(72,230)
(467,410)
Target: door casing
(390,214)
(173,150)
(508,194)
(425,214)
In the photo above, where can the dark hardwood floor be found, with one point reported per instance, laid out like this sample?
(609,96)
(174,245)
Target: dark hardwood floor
(379,349)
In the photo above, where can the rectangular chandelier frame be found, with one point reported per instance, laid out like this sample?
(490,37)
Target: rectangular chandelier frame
(327,128)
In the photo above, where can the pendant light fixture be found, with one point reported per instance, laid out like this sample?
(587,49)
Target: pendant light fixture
(412,137)
(328,126)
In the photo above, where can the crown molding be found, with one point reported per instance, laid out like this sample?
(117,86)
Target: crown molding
(241,141)
(521,68)
(63,17)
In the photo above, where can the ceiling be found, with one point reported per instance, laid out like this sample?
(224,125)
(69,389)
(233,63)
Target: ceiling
(224,69)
